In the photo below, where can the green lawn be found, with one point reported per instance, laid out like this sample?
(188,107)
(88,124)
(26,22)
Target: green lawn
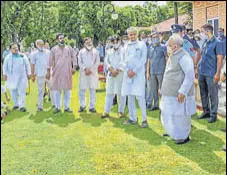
(65,144)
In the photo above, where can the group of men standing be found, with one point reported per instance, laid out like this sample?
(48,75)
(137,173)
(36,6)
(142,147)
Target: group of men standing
(169,70)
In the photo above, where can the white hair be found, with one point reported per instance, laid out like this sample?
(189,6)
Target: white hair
(132,29)
(37,41)
(176,40)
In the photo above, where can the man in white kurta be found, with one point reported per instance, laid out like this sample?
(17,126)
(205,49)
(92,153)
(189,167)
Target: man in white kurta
(178,99)
(88,60)
(134,76)
(39,65)
(16,72)
(114,64)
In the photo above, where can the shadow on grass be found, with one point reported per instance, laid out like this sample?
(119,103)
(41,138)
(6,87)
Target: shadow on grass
(100,90)
(201,149)
(60,119)
(211,126)
(12,115)
(144,134)
(93,119)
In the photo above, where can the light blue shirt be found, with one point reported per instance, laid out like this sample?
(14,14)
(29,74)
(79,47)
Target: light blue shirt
(41,60)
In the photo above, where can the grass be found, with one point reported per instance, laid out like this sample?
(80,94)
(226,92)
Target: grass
(66,144)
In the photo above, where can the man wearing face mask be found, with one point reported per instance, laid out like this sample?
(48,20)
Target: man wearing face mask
(222,38)
(198,38)
(178,29)
(88,61)
(157,56)
(143,37)
(178,98)
(114,63)
(209,73)
(133,85)
(61,59)
(16,72)
(39,65)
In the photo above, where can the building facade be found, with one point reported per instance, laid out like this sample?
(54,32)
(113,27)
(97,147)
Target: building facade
(213,12)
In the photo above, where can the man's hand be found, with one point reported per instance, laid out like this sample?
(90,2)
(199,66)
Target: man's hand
(48,76)
(8,99)
(196,72)
(216,78)
(88,72)
(148,76)
(5,77)
(223,78)
(73,71)
(131,74)
(111,69)
(29,77)
(181,98)
(33,78)
(114,73)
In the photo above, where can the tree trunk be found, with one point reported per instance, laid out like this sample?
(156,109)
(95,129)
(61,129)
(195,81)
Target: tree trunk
(176,12)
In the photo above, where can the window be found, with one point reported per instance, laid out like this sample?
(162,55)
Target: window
(215,23)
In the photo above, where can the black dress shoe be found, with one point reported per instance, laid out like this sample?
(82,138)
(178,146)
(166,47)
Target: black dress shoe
(105,115)
(23,109)
(212,119)
(149,106)
(92,110)
(57,110)
(82,109)
(15,107)
(223,130)
(224,148)
(154,109)
(204,115)
(180,142)
(68,110)
(165,135)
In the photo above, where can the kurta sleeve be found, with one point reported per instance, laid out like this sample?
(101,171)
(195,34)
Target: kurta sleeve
(33,59)
(187,66)
(27,65)
(80,60)
(97,60)
(73,56)
(5,66)
(51,59)
(123,58)
(107,61)
(143,59)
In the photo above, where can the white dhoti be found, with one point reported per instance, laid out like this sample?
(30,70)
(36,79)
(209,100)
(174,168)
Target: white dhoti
(176,117)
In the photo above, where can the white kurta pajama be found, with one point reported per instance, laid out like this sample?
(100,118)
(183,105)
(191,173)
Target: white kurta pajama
(17,68)
(88,59)
(114,59)
(135,60)
(175,116)
(41,60)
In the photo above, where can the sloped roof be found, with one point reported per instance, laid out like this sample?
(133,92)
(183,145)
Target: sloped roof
(166,25)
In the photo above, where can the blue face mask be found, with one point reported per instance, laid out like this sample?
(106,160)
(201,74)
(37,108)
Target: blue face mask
(156,41)
(220,34)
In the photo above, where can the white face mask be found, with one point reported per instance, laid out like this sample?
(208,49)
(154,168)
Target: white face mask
(89,47)
(116,46)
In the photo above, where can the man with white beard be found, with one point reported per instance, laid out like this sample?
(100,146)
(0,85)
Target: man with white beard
(178,98)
